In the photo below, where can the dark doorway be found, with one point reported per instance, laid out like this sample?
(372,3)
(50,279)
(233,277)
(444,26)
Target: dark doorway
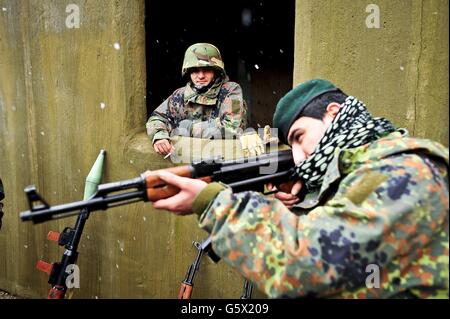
(255,38)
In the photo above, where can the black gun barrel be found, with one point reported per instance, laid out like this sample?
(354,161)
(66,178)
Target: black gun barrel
(138,182)
(99,201)
(93,204)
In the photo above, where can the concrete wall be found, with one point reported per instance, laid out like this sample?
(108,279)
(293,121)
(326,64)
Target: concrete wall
(64,95)
(67,93)
(399,70)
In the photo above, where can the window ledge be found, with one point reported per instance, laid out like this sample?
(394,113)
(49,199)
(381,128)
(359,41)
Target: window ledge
(141,155)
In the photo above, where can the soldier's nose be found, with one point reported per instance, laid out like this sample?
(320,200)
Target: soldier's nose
(298,153)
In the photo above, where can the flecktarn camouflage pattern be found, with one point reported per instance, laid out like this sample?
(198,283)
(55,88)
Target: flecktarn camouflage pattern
(378,227)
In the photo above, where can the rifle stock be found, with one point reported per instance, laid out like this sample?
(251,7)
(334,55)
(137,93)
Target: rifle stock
(70,237)
(187,285)
(185,291)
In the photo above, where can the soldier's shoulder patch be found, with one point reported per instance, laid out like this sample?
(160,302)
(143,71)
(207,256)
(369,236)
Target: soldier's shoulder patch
(366,186)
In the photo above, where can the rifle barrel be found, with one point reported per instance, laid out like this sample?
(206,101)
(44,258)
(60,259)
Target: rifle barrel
(93,204)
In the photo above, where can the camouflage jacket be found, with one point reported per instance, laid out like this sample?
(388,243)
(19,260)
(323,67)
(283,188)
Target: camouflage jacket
(378,227)
(221,110)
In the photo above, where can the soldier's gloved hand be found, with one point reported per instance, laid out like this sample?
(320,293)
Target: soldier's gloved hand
(163,147)
(268,137)
(251,144)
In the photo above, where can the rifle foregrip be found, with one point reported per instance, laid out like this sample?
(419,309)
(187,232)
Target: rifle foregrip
(158,189)
(185,291)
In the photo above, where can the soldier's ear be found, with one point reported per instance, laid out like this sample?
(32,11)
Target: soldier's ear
(333,109)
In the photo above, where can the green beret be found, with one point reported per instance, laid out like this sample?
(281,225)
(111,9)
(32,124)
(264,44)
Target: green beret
(292,104)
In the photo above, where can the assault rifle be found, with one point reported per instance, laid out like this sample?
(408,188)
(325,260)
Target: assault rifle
(242,174)
(70,238)
(187,284)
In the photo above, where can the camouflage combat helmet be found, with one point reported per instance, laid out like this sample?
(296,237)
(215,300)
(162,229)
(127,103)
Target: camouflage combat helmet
(202,55)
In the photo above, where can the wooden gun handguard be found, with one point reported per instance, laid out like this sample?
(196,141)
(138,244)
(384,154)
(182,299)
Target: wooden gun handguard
(158,189)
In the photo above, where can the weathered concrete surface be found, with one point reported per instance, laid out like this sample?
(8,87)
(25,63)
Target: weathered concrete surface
(64,95)
(399,70)
(67,93)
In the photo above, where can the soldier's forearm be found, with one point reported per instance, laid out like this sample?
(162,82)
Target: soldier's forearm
(156,124)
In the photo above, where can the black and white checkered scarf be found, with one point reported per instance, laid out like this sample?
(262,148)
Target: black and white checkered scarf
(353,126)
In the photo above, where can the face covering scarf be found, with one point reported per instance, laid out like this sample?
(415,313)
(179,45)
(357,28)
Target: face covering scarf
(353,126)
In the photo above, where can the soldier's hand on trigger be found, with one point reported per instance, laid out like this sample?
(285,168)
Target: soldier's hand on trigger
(288,199)
(163,147)
(181,203)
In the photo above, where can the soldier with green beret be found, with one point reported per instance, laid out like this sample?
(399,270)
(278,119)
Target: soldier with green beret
(368,216)
(209,106)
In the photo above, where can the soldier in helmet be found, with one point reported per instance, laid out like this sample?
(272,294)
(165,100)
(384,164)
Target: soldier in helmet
(209,106)
(368,216)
